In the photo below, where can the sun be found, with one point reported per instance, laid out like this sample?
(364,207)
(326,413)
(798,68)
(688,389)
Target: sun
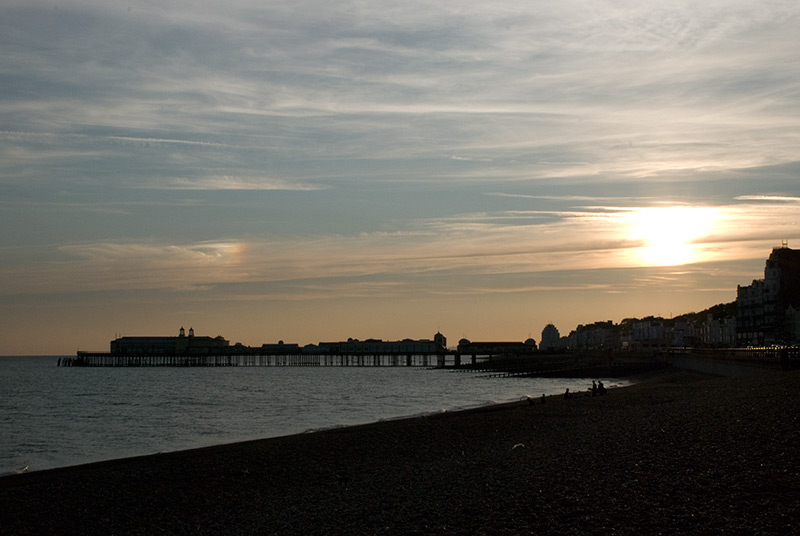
(669,233)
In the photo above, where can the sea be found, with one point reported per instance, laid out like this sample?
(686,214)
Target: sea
(54,416)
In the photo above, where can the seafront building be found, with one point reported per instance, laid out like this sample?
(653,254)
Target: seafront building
(766,312)
(712,328)
(767,309)
(551,338)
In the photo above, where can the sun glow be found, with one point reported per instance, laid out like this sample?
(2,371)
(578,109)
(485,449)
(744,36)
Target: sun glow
(669,234)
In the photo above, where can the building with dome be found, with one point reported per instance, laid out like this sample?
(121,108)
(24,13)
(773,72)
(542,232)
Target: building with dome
(551,338)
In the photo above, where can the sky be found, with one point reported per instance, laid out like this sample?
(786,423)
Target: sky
(312,171)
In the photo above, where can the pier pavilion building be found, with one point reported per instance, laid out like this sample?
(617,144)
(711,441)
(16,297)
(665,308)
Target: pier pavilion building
(183,344)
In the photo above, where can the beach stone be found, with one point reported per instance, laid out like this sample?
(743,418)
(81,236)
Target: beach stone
(675,453)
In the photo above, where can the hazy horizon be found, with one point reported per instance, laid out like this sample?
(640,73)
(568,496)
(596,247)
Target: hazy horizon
(311,171)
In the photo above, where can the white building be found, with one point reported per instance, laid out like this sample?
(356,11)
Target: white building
(550,338)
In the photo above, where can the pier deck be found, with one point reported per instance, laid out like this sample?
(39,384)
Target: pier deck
(98,359)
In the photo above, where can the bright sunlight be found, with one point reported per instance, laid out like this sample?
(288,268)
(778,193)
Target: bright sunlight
(669,233)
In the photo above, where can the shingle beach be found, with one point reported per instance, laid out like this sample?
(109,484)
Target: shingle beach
(676,453)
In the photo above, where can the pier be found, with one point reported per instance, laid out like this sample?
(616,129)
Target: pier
(505,364)
(495,357)
(101,359)
(189,350)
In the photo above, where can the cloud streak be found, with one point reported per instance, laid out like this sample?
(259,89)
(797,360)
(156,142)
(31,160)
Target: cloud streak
(479,244)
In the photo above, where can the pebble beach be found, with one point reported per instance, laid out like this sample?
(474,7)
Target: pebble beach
(677,452)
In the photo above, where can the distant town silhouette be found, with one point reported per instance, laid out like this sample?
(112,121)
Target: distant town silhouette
(766,313)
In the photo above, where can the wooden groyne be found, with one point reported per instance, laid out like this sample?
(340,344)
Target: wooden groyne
(565,365)
(770,358)
(624,363)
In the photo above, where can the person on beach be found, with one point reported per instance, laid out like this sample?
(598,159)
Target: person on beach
(594,388)
(601,389)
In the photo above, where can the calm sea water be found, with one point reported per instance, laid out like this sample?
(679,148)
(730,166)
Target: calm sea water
(53,417)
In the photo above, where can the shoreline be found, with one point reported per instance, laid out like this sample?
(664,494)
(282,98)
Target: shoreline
(490,406)
(614,383)
(675,452)
(117,418)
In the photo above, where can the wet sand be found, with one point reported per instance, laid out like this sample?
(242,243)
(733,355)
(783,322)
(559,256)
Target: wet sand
(678,453)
